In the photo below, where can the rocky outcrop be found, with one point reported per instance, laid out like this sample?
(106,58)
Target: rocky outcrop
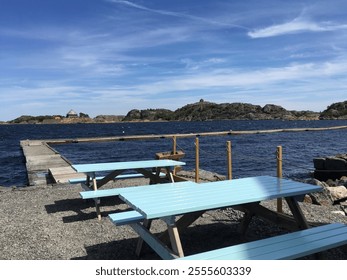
(320,198)
(334,193)
(203,110)
(331,175)
(336,111)
(54,119)
(82,118)
(108,118)
(149,115)
(33,120)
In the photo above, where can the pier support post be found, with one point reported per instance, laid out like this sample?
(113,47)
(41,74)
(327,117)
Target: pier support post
(279,175)
(174,150)
(197,163)
(229,158)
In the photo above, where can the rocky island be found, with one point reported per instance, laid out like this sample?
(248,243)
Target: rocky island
(199,111)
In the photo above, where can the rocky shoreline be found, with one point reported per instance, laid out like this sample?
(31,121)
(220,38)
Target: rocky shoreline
(53,223)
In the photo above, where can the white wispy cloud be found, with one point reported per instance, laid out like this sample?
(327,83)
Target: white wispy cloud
(264,85)
(259,78)
(196,65)
(298,25)
(177,14)
(92,53)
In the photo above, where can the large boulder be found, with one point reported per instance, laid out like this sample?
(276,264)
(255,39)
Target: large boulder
(323,198)
(338,193)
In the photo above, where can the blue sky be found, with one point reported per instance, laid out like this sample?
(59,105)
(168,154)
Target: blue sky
(111,56)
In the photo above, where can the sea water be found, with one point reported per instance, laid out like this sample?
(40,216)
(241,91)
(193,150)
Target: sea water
(252,155)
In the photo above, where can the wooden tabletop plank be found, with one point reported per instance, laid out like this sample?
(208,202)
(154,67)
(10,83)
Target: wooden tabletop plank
(176,200)
(236,188)
(117,191)
(99,167)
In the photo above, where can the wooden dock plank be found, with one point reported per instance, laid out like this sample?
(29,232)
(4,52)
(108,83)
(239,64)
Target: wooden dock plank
(62,170)
(44,165)
(64,174)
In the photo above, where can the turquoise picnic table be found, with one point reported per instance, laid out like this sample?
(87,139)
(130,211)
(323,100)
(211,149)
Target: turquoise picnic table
(180,204)
(115,169)
(151,169)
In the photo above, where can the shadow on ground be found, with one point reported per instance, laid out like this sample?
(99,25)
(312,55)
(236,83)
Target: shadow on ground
(83,209)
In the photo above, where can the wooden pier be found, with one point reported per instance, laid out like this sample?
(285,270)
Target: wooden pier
(45,165)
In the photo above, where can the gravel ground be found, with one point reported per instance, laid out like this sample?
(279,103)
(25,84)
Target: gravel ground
(54,223)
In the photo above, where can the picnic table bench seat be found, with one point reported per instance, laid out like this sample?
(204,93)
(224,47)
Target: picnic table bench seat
(96,194)
(119,177)
(99,193)
(98,178)
(126,217)
(283,247)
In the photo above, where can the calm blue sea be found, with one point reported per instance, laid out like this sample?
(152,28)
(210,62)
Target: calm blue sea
(252,154)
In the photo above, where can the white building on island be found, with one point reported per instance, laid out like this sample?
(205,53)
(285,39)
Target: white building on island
(71,114)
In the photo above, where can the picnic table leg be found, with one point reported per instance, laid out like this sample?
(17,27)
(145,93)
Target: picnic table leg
(300,219)
(109,177)
(97,201)
(154,178)
(97,207)
(88,181)
(246,220)
(157,175)
(297,213)
(255,209)
(147,224)
(169,174)
(95,184)
(182,223)
(175,240)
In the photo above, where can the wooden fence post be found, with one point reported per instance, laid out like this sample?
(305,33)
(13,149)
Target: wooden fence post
(174,151)
(174,145)
(197,160)
(279,175)
(229,158)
